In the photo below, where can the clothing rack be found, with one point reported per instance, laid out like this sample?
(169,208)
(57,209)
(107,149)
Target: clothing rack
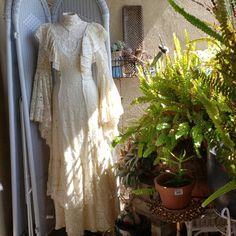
(22,18)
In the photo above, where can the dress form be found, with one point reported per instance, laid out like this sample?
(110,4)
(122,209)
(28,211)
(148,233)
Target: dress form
(78,117)
(69,20)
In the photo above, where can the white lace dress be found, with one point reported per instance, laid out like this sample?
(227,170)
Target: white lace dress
(78,117)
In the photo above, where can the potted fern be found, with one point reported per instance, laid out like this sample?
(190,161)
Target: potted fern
(175,120)
(222,81)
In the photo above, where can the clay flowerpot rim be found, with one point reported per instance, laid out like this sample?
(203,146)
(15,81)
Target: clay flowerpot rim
(158,178)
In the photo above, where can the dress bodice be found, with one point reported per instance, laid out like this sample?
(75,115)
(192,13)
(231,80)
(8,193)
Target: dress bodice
(69,41)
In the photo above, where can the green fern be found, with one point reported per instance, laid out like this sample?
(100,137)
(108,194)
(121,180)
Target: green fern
(195,21)
(224,63)
(214,113)
(171,98)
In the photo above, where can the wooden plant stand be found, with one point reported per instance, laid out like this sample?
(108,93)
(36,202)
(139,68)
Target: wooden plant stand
(191,212)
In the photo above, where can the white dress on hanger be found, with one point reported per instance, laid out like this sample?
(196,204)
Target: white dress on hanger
(78,117)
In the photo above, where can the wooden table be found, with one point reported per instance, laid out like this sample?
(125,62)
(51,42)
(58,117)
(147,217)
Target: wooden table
(159,215)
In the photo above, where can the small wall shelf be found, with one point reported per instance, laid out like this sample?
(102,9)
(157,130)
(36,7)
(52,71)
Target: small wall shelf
(124,67)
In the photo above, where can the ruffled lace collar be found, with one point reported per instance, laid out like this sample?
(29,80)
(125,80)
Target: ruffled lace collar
(69,20)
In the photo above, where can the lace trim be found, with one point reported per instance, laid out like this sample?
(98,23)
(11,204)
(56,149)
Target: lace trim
(40,110)
(110,106)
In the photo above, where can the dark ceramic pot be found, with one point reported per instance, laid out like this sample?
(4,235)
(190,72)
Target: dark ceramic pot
(217,177)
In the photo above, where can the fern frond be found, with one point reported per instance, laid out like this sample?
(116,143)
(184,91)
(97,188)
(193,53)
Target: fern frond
(196,21)
(210,40)
(214,114)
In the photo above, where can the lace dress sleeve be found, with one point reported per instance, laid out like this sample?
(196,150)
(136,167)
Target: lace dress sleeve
(110,107)
(40,110)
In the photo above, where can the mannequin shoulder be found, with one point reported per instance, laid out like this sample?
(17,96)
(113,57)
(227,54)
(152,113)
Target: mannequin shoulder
(44,27)
(97,31)
(42,31)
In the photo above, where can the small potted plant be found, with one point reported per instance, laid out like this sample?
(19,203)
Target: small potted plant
(117,59)
(117,49)
(175,187)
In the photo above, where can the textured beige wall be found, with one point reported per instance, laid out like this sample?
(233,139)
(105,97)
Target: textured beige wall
(159,19)
(129,89)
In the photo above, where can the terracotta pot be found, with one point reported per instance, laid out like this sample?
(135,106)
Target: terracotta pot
(174,198)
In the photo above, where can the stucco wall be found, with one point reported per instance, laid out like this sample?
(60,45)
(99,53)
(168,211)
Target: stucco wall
(159,20)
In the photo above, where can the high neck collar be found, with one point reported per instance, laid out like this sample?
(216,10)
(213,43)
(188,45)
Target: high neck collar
(69,20)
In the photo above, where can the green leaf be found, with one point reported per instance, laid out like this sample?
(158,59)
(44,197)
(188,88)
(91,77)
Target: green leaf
(214,114)
(182,130)
(161,139)
(149,150)
(211,40)
(144,191)
(224,189)
(177,47)
(195,21)
(156,161)
(116,141)
(140,149)
(197,136)
(162,126)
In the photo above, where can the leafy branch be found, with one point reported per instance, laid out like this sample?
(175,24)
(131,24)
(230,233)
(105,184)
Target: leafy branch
(196,21)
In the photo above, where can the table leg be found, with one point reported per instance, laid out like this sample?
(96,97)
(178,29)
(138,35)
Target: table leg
(189,227)
(178,229)
(156,230)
